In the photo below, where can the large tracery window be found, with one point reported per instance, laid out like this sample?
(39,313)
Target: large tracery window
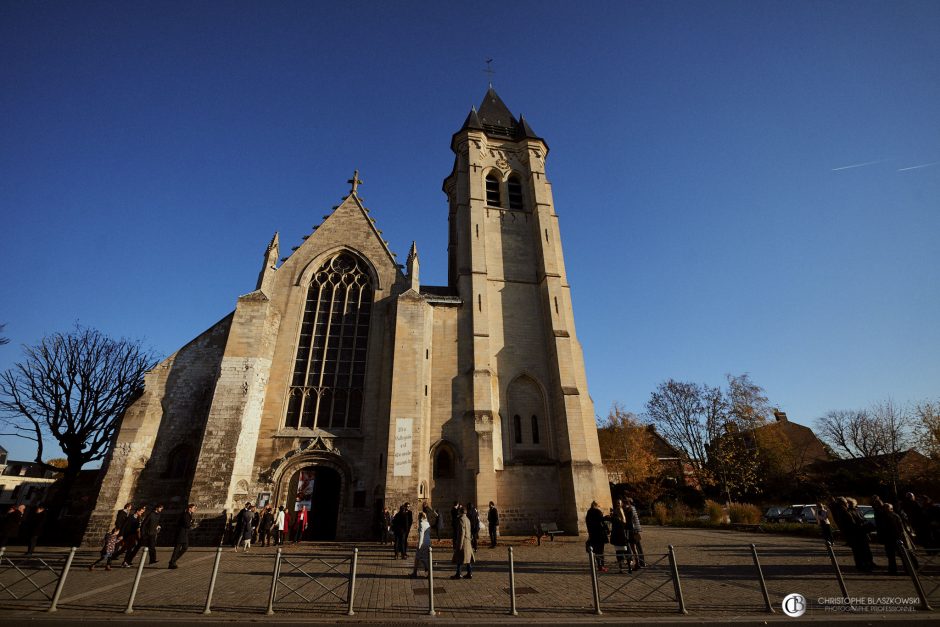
(330,368)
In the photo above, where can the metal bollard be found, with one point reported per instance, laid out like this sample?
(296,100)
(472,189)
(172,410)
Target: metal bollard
(215,572)
(431,611)
(351,591)
(909,567)
(140,570)
(835,566)
(763,584)
(675,580)
(512,585)
(61,582)
(597,594)
(274,576)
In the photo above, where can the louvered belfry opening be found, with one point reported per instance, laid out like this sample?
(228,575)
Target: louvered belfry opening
(329,370)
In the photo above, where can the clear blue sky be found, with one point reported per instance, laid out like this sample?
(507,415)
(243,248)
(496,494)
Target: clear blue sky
(149,150)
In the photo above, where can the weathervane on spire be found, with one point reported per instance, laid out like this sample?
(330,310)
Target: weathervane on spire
(490,71)
(355,182)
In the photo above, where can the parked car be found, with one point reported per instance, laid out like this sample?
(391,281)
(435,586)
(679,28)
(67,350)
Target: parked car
(868,513)
(795,513)
(772,513)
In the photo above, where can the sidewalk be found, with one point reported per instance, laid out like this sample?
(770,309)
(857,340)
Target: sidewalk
(552,583)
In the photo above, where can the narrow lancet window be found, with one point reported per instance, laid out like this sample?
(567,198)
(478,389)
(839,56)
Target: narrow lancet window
(517,428)
(514,188)
(535,429)
(492,191)
(330,367)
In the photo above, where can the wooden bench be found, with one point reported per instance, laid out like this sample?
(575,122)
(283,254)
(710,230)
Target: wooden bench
(547,529)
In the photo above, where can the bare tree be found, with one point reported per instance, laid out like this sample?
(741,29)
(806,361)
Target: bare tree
(679,414)
(3,340)
(881,434)
(850,433)
(73,387)
(893,428)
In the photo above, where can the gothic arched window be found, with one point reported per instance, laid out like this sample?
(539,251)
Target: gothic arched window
(517,428)
(492,191)
(535,429)
(330,367)
(514,189)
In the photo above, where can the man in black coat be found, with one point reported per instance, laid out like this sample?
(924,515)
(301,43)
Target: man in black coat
(149,530)
(401,527)
(130,535)
(411,521)
(183,527)
(34,526)
(122,515)
(492,519)
(473,515)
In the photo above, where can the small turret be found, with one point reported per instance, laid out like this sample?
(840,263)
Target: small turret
(270,264)
(413,269)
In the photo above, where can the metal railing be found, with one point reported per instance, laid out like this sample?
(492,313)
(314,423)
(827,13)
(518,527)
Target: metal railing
(328,578)
(295,572)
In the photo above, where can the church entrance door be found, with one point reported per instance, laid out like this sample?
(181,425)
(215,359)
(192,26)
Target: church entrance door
(316,488)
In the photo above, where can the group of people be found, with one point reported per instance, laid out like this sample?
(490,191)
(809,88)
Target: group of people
(265,526)
(16,522)
(465,533)
(620,527)
(135,529)
(914,525)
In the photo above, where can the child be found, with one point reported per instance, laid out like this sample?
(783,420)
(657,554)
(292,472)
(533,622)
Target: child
(107,548)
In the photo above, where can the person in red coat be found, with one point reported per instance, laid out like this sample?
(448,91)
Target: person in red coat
(300,524)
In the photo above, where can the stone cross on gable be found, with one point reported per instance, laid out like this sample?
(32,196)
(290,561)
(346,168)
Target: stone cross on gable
(354,181)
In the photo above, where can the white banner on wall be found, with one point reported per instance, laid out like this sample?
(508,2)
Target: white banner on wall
(403,440)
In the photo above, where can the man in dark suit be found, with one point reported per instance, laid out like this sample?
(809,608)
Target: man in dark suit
(130,535)
(184,525)
(149,530)
(122,515)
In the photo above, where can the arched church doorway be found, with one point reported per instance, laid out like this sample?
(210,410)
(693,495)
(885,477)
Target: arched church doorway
(318,489)
(444,485)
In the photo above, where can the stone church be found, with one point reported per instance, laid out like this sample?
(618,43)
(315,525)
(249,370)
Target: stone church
(343,384)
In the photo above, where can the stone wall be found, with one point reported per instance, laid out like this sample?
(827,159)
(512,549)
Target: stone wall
(171,411)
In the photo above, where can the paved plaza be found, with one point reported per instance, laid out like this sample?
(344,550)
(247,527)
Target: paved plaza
(552,582)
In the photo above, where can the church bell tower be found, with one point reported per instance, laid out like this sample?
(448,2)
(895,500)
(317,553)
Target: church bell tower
(530,439)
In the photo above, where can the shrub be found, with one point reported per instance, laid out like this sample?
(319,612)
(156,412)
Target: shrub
(744,513)
(679,514)
(715,511)
(661,513)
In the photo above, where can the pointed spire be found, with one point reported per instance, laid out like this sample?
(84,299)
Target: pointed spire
(494,112)
(412,266)
(472,122)
(524,130)
(270,264)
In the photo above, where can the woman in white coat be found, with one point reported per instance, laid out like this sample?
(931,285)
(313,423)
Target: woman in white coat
(280,525)
(423,554)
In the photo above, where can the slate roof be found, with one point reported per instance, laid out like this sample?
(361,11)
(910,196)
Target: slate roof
(495,118)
